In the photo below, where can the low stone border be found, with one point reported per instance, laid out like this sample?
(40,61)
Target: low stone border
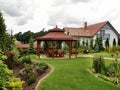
(38,84)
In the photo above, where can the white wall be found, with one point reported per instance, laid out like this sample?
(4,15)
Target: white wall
(108,30)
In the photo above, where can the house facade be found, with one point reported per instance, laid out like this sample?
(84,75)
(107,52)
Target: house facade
(88,32)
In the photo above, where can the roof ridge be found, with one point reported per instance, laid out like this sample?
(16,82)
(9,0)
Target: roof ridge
(99,23)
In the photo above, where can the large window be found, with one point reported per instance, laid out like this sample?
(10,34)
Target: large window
(107,36)
(104,36)
(102,33)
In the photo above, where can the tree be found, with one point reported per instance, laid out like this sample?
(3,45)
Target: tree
(31,46)
(114,42)
(119,41)
(86,42)
(91,43)
(26,36)
(83,42)
(18,36)
(107,43)
(2,33)
(98,44)
(41,33)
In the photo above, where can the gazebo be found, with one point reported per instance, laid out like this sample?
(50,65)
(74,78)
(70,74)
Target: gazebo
(55,35)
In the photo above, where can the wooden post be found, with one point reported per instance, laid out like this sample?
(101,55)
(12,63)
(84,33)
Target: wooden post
(53,43)
(76,43)
(70,49)
(38,49)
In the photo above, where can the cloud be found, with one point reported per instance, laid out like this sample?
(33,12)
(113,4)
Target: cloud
(12,8)
(21,11)
(57,3)
(63,17)
(78,1)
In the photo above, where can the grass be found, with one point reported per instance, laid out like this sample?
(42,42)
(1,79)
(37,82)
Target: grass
(73,75)
(106,54)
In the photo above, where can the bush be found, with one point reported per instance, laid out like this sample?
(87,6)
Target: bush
(113,69)
(10,59)
(41,67)
(2,56)
(113,80)
(31,80)
(99,64)
(26,59)
(7,81)
(15,84)
(26,71)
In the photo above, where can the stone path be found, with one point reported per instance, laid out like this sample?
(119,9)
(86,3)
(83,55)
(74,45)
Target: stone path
(73,56)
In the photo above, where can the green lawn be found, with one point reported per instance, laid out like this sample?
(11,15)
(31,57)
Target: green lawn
(73,75)
(106,54)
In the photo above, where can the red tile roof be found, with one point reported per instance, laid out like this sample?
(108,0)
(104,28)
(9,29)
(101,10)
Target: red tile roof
(24,46)
(55,34)
(90,30)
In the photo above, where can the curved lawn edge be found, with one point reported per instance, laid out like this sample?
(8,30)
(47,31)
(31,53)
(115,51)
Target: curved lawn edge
(38,84)
(107,81)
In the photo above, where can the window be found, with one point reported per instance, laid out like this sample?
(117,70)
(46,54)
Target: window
(102,33)
(107,36)
(107,26)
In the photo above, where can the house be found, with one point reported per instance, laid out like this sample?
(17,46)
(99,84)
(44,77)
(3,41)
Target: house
(24,46)
(88,32)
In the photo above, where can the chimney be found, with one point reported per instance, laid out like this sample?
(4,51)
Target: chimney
(85,25)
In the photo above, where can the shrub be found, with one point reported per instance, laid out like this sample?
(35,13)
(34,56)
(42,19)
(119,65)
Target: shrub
(7,81)
(31,80)
(26,59)
(2,56)
(99,64)
(26,71)
(15,84)
(41,67)
(10,59)
(113,69)
(113,80)
(65,47)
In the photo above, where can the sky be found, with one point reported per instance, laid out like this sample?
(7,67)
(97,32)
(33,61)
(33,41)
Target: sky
(34,15)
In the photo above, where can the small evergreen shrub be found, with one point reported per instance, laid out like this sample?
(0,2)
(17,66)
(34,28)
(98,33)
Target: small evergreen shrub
(31,80)
(99,64)
(41,67)
(26,59)
(26,71)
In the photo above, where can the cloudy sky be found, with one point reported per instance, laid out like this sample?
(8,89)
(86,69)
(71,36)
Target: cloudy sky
(34,15)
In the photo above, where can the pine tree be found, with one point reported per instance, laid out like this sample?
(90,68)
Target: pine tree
(107,43)
(119,41)
(91,43)
(86,42)
(2,33)
(83,42)
(98,44)
(114,42)
(31,46)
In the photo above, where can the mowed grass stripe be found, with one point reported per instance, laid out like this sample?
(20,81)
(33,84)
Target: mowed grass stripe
(73,75)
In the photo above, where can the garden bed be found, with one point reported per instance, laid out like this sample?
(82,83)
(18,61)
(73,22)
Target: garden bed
(16,73)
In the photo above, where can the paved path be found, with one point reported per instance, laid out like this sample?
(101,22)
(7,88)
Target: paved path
(73,56)
(92,56)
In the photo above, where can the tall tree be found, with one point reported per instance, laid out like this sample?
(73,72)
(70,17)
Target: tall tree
(83,42)
(107,43)
(31,46)
(2,33)
(86,42)
(91,43)
(114,42)
(26,36)
(99,44)
(119,41)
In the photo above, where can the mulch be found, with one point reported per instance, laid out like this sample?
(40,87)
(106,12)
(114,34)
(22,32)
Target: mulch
(25,85)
